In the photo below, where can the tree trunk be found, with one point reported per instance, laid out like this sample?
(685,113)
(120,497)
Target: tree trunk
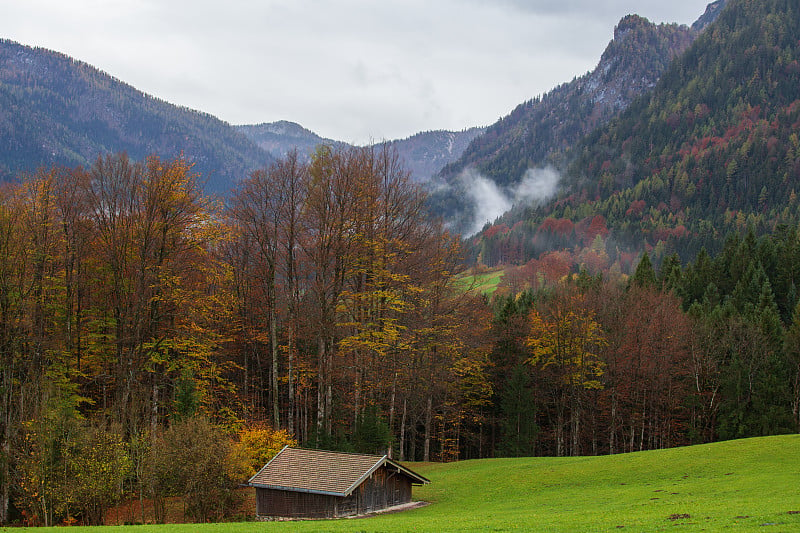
(412,443)
(154,407)
(329,388)
(357,387)
(391,414)
(5,474)
(560,425)
(612,432)
(321,386)
(796,399)
(403,432)
(273,334)
(575,421)
(290,375)
(426,454)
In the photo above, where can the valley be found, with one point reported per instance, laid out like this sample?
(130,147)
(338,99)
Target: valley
(583,315)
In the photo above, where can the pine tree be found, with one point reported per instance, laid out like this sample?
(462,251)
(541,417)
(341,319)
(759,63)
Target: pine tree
(644,276)
(518,412)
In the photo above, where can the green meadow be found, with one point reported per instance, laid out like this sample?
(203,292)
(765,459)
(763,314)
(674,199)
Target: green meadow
(483,282)
(744,485)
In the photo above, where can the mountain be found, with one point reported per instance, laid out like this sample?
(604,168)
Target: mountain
(712,12)
(278,138)
(538,132)
(57,110)
(714,149)
(423,154)
(630,65)
(426,153)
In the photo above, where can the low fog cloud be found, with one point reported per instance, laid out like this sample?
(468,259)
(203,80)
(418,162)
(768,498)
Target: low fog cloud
(537,184)
(491,201)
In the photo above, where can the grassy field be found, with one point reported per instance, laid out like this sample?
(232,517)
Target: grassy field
(746,485)
(484,282)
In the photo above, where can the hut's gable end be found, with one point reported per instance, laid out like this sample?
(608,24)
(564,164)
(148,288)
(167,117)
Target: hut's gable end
(384,488)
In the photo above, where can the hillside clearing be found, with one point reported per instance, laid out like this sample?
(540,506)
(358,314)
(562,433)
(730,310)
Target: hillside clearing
(482,282)
(748,485)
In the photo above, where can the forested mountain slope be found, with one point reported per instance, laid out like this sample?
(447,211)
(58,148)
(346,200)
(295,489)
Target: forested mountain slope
(538,131)
(713,149)
(54,109)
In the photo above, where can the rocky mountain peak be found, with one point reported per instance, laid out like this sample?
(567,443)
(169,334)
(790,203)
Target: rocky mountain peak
(712,12)
(628,23)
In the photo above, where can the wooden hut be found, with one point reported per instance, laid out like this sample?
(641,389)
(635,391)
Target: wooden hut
(300,483)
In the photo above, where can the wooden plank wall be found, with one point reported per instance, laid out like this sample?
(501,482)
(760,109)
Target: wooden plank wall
(382,489)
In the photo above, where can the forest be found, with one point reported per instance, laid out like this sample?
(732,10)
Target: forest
(158,342)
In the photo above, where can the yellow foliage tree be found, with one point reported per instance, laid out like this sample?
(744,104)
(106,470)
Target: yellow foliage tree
(566,345)
(258,444)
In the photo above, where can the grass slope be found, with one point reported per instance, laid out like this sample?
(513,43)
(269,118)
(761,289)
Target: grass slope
(745,485)
(484,282)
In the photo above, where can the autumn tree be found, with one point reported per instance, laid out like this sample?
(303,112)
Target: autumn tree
(291,177)
(647,368)
(565,344)
(327,245)
(256,211)
(98,466)
(152,222)
(14,374)
(47,445)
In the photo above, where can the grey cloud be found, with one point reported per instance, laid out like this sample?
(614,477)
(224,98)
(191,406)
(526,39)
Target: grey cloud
(685,11)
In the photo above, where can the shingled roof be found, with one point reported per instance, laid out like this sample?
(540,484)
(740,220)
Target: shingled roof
(323,472)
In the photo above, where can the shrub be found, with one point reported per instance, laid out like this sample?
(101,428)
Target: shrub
(194,460)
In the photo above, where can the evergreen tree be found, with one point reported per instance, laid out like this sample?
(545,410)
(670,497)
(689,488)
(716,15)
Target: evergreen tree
(372,433)
(518,415)
(669,276)
(644,276)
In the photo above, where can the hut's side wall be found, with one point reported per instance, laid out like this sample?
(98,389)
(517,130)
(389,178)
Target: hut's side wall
(382,489)
(271,502)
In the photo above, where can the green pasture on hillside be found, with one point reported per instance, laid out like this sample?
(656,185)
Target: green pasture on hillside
(484,282)
(745,485)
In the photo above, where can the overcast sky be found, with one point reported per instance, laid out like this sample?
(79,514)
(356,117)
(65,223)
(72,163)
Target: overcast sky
(351,70)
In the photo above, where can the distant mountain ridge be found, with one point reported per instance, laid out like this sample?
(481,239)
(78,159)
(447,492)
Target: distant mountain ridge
(278,138)
(423,154)
(426,153)
(57,110)
(537,129)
